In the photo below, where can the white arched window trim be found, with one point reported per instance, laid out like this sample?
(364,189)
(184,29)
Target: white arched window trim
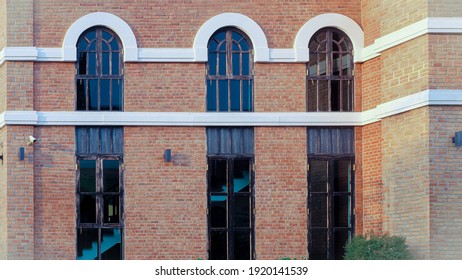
(341,22)
(242,22)
(116,24)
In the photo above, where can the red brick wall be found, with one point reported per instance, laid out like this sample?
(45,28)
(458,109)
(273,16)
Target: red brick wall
(3,196)
(281,210)
(371,20)
(3,87)
(165,203)
(445,59)
(371,83)
(54,182)
(20,91)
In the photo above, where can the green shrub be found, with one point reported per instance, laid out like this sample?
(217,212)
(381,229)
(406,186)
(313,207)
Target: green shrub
(375,247)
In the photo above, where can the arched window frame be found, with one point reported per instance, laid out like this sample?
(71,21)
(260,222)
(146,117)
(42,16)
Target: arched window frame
(99,71)
(330,72)
(229,71)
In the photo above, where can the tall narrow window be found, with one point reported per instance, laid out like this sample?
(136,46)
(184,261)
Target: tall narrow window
(99,194)
(229,72)
(99,71)
(330,192)
(230,194)
(329,80)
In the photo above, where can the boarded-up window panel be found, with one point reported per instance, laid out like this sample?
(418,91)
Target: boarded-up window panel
(330,140)
(99,140)
(230,140)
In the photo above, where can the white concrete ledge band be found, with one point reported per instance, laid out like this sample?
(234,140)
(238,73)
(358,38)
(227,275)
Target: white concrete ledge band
(92,118)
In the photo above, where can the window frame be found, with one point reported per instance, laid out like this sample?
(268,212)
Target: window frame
(83,79)
(315,79)
(230,195)
(214,75)
(99,193)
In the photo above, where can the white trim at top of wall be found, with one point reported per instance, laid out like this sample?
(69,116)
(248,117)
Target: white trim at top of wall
(79,118)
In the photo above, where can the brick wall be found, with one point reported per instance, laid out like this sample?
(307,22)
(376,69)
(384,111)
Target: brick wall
(396,14)
(3,88)
(406,179)
(371,20)
(446,8)
(20,22)
(371,84)
(3,22)
(54,183)
(445,183)
(3,196)
(445,61)
(19,87)
(165,203)
(281,215)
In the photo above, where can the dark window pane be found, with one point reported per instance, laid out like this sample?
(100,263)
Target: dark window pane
(114,45)
(87,176)
(115,63)
(218,211)
(347,95)
(241,211)
(235,95)
(341,237)
(223,96)
(105,63)
(117,95)
(111,175)
(82,63)
(105,94)
(236,36)
(212,60)
(323,95)
(218,245)
(342,211)
(220,36)
(318,176)
(92,63)
(88,208)
(247,95)
(244,45)
(111,209)
(222,63)
(211,95)
(213,45)
(335,95)
(87,244)
(111,244)
(82,45)
(246,64)
(242,246)
(218,175)
(312,86)
(236,63)
(93,94)
(91,35)
(322,65)
(318,248)
(81,98)
(241,176)
(319,210)
(342,173)
(235,46)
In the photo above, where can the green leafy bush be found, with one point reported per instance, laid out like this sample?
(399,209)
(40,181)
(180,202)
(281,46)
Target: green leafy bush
(375,247)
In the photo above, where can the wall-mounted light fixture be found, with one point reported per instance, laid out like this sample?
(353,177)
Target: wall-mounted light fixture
(22,151)
(168,155)
(457,139)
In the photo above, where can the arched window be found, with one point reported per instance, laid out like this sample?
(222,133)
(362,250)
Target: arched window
(330,72)
(99,71)
(229,72)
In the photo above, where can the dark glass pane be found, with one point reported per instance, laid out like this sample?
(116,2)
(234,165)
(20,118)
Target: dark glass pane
(115,45)
(92,46)
(247,95)
(319,210)
(241,176)
(336,64)
(220,36)
(222,64)
(242,246)
(87,175)
(236,63)
(323,95)
(241,211)
(115,63)
(91,63)
(87,209)
(322,66)
(342,211)
(246,64)
(312,86)
(218,245)
(318,176)
(218,175)
(117,95)
(347,96)
(341,237)
(212,46)
(341,173)
(111,209)
(235,47)
(111,175)
(218,211)
(211,95)
(223,96)
(235,95)
(111,244)
(212,60)
(91,35)
(82,63)
(318,248)
(236,36)
(105,63)
(93,95)
(87,244)
(105,94)
(81,98)
(105,46)
(335,95)
(244,45)
(347,65)
(82,45)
